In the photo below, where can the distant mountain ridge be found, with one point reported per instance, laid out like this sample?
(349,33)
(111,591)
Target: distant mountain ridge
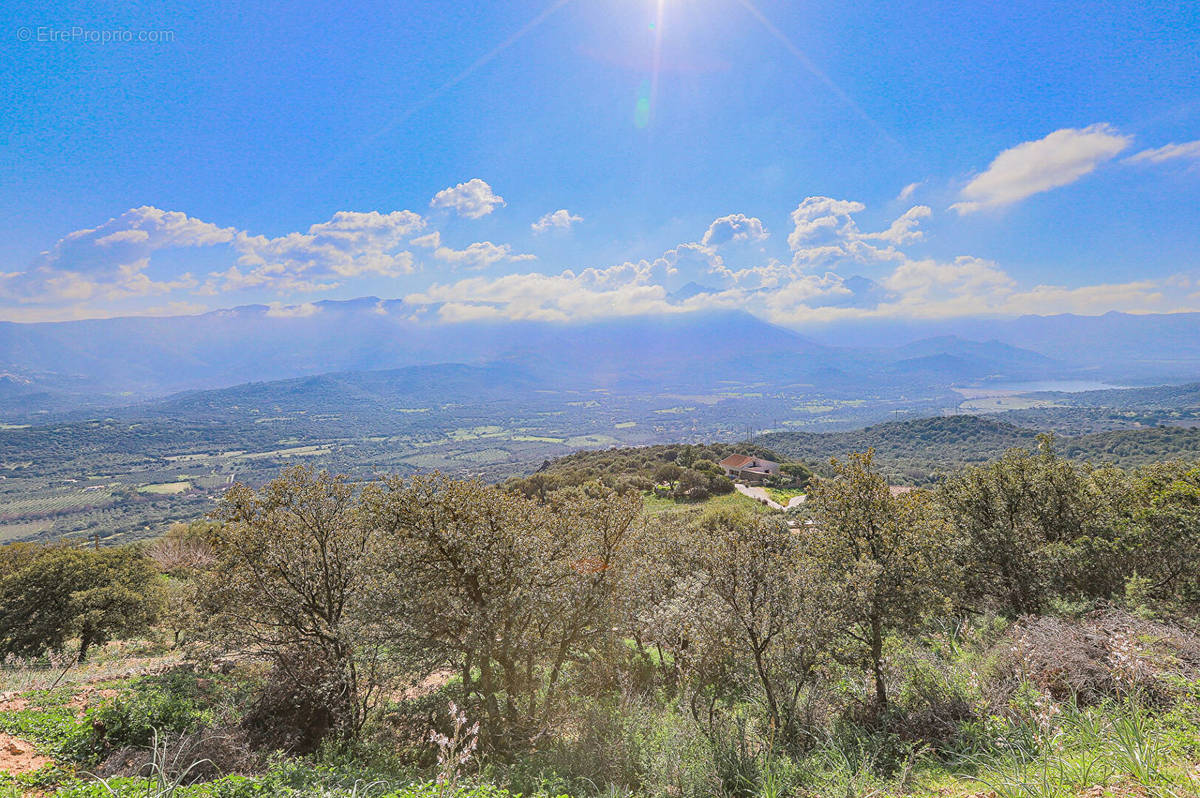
(1121,346)
(117,361)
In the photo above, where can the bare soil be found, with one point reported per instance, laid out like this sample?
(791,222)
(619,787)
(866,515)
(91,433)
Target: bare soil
(19,756)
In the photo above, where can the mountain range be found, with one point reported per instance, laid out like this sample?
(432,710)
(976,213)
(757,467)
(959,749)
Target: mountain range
(59,366)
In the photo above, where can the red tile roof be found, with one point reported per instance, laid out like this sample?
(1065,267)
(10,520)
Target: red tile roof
(741,462)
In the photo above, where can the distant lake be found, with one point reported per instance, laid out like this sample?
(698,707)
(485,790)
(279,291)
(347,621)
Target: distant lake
(1065,386)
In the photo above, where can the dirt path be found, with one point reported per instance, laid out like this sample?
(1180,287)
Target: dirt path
(19,756)
(760,494)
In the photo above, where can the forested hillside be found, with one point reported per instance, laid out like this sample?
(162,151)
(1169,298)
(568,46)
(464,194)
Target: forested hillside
(921,452)
(924,450)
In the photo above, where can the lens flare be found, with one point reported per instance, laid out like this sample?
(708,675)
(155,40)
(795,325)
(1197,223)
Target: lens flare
(641,109)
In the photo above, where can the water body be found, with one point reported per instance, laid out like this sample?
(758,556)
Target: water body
(1064,386)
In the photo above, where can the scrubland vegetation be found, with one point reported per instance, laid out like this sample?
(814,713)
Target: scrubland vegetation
(1026,628)
(683,473)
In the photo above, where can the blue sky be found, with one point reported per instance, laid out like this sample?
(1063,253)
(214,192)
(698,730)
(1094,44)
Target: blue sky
(964,159)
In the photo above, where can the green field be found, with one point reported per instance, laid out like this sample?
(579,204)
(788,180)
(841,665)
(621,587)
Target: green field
(655,505)
(167,488)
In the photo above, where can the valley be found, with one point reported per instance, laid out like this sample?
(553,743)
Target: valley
(98,441)
(130,473)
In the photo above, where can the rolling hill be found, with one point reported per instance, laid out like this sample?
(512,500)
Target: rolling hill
(921,451)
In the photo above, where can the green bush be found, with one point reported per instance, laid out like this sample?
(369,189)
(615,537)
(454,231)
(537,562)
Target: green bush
(56,730)
(169,704)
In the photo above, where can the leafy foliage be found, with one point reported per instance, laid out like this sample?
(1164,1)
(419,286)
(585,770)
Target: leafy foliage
(508,591)
(894,554)
(48,594)
(297,581)
(689,471)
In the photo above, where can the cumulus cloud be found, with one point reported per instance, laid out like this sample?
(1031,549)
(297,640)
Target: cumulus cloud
(472,199)
(109,262)
(734,227)
(533,297)
(479,255)
(350,244)
(832,269)
(790,293)
(903,230)
(132,236)
(683,264)
(1030,168)
(561,219)
(117,260)
(541,297)
(825,233)
(1188,150)
(817,215)
(272,279)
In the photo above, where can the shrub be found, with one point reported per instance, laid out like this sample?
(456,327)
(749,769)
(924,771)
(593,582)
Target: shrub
(1107,654)
(167,705)
(49,594)
(57,731)
(931,703)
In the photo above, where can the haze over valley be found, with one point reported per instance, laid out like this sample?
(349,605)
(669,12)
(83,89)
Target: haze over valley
(114,427)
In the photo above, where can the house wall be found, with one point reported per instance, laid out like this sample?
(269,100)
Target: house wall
(749,476)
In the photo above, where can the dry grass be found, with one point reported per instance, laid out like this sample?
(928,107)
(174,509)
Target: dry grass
(114,661)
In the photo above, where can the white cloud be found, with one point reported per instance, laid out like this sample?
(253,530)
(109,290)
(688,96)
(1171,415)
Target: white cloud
(355,230)
(817,215)
(273,279)
(825,234)
(351,244)
(678,266)
(278,310)
(1168,152)
(734,227)
(479,255)
(908,190)
(127,281)
(95,272)
(124,237)
(432,240)
(472,199)
(923,281)
(788,292)
(132,236)
(109,262)
(903,230)
(802,294)
(115,261)
(1030,168)
(562,219)
(540,297)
